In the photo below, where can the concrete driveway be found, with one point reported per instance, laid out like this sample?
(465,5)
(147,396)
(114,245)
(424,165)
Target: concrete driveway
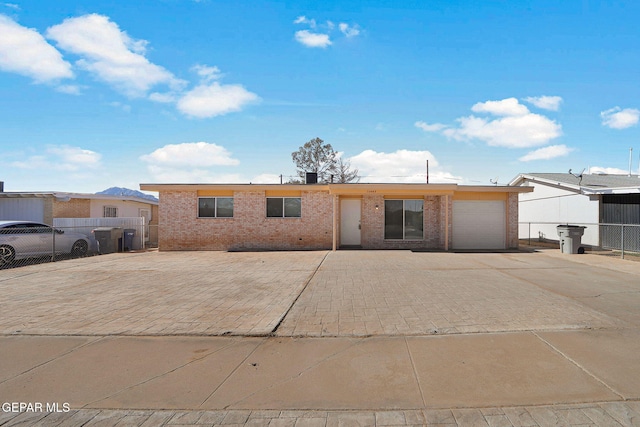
(155,293)
(336,338)
(317,293)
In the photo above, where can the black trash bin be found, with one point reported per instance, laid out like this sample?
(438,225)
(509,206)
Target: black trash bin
(129,239)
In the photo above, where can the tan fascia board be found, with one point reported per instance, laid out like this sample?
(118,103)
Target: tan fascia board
(392,189)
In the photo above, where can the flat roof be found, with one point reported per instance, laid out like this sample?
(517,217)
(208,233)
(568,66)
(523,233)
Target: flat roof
(64,196)
(353,188)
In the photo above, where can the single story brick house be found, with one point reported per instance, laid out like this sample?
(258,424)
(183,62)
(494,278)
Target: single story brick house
(334,216)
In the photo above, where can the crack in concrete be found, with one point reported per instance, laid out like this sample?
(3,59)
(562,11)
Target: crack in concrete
(71,350)
(579,366)
(197,359)
(311,276)
(415,372)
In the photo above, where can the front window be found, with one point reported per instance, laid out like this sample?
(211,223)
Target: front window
(215,207)
(110,212)
(284,207)
(403,219)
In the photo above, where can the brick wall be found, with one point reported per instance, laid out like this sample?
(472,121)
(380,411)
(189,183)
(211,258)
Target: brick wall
(74,208)
(512,221)
(181,229)
(373,225)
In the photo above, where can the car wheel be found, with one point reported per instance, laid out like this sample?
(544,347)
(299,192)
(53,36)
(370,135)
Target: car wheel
(79,248)
(7,254)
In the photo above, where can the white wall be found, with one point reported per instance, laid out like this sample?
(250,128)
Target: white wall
(558,206)
(126,208)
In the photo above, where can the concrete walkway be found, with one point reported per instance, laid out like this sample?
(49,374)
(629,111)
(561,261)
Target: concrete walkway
(577,361)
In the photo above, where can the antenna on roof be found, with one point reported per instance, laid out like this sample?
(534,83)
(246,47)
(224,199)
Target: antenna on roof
(577,176)
(494,182)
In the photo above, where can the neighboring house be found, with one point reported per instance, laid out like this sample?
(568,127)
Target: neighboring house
(47,206)
(562,198)
(332,216)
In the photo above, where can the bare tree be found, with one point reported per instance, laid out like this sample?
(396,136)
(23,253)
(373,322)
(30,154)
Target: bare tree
(316,156)
(344,173)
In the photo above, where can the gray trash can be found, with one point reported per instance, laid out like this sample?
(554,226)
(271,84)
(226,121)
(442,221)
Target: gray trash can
(571,238)
(107,238)
(129,239)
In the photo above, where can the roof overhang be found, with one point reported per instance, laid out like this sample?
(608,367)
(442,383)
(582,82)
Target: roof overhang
(344,189)
(65,197)
(518,180)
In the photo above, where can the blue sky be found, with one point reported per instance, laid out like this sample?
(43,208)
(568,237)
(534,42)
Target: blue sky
(102,93)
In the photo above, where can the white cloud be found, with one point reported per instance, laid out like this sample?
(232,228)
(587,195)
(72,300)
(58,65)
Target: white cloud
(164,98)
(75,155)
(436,127)
(62,158)
(505,107)
(310,39)
(12,6)
(349,31)
(545,102)
(617,118)
(546,153)
(191,162)
(190,155)
(111,54)
(207,73)
(24,51)
(210,100)
(608,171)
(515,127)
(321,34)
(303,20)
(188,175)
(399,166)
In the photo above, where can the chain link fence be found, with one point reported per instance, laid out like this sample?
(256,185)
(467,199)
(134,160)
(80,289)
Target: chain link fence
(618,238)
(30,243)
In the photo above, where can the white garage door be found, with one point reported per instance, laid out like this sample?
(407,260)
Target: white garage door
(28,209)
(479,225)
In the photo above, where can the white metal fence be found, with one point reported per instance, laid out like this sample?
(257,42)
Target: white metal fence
(616,237)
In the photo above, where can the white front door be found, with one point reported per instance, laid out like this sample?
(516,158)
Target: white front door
(350,221)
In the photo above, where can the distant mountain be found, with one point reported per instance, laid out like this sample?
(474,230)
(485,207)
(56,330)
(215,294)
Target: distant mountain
(119,191)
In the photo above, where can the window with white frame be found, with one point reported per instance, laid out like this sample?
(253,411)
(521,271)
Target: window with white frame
(109,211)
(215,207)
(403,219)
(284,207)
